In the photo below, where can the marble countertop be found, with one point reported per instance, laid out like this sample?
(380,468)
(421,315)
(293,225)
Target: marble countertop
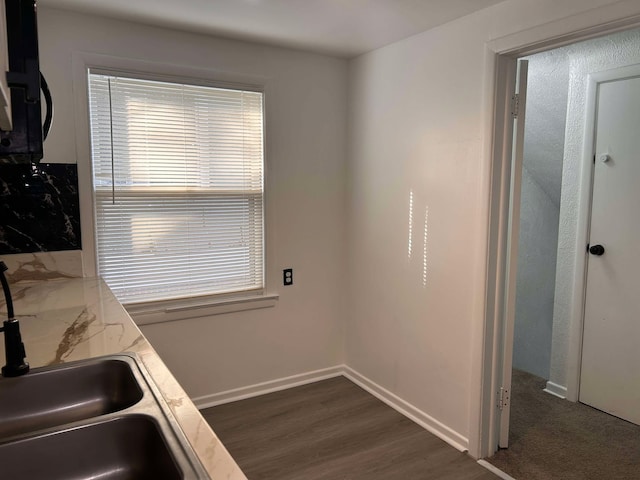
(72,319)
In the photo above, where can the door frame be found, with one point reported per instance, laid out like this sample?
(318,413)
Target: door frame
(501,53)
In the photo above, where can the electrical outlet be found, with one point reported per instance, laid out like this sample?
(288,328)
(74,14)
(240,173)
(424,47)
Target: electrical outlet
(287,276)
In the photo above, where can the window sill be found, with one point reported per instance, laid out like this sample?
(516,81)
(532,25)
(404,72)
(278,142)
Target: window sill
(160,312)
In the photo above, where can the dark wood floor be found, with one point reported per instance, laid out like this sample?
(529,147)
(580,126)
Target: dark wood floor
(334,430)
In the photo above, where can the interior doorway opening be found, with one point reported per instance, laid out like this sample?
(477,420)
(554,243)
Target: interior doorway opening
(556,176)
(553,215)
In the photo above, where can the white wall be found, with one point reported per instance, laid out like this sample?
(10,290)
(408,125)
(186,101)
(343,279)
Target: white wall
(547,91)
(420,121)
(305,194)
(592,56)
(538,244)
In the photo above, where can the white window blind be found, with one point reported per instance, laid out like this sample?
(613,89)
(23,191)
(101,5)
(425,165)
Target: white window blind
(178,188)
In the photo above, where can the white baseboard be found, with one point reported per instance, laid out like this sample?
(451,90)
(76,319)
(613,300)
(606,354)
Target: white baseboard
(495,470)
(263,388)
(426,421)
(556,390)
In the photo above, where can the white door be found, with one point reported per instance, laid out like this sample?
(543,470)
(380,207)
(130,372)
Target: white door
(511,258)
(610,372)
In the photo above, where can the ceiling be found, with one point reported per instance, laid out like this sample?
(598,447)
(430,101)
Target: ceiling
(344,28)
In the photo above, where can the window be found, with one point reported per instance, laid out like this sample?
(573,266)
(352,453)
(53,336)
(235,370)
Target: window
(178,188)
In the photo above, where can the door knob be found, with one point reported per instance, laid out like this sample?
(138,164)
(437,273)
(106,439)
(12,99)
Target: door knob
(596,250)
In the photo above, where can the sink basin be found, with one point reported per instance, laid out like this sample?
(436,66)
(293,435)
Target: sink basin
(126,447)
(100,418)
(53,396)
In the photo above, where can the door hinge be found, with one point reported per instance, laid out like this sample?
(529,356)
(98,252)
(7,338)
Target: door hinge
(515,105)
(503,398)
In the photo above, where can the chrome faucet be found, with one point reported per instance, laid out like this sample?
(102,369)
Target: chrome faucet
(13,346)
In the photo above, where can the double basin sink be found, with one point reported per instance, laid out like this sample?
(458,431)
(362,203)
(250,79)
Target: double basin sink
(100,418)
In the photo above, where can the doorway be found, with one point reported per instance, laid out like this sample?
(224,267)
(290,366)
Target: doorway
(565,327)
(550,347)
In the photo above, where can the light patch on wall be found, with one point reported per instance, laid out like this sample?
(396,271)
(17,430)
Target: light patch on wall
(425,243)
(409,246)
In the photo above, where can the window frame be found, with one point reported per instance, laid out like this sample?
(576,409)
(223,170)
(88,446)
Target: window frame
(175,309)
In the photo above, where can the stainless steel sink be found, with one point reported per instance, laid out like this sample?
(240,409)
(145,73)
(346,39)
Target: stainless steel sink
(48,397)
(100,418)
(121,448)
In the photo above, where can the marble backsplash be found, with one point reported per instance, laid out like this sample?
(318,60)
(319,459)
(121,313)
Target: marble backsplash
(40,266)
(40,209)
